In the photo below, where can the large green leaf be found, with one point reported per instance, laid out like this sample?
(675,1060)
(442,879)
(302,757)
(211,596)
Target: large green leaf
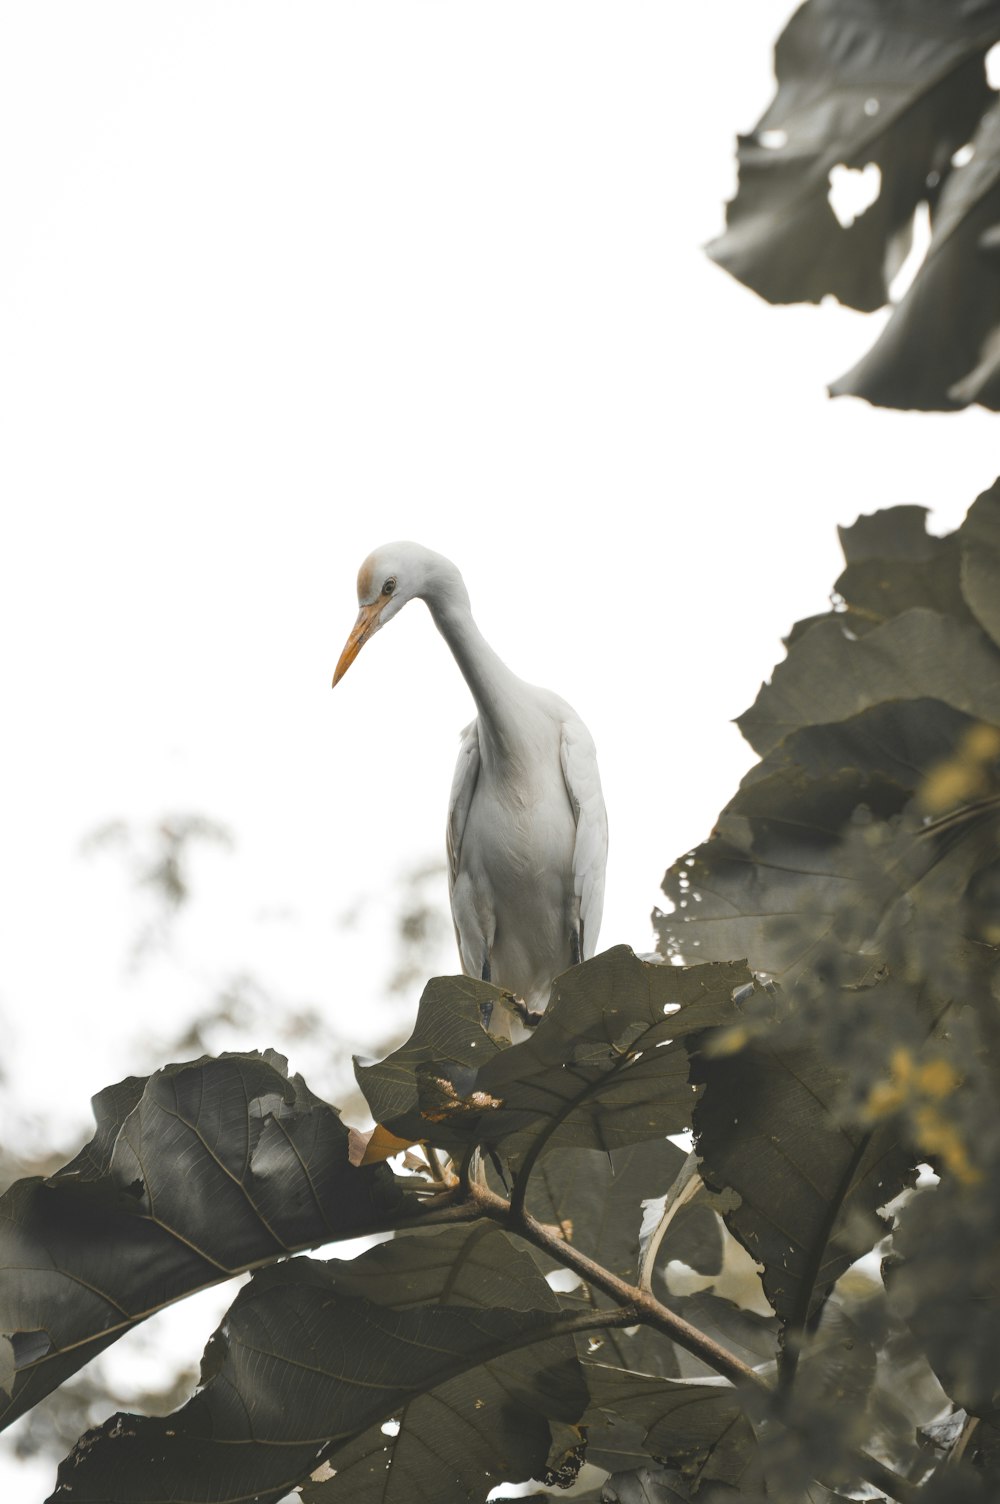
(196,1173)
(467,1435)
(945,1280)
(980,541)
(312,1359)
(874,720)
(696,1428)
(749,1336)
(789,872)
(899,83)
(595,1199)
(830,675)
(608,1064)
(897,87)
(895,565)
(940,349)
(605,1067)
(423,1089)
(770,1127)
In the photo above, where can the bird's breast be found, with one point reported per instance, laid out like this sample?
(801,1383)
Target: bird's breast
(522,826)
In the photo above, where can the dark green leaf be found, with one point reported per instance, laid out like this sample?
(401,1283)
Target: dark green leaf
(901,85)
(831,676)
(980,540)
(464,1437)
(418,1091)
(301,1367)
(193,1174)
(898,88)
(945,1281)
(770,1127)
(940,349)
(895,565)
(751,1337)
(605,1067)
(896,534)
(648,1485)
(788,870)
(697,1429)
(595,1199)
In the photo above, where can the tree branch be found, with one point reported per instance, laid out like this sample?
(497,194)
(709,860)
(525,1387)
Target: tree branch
(651,1311)
(641,1306)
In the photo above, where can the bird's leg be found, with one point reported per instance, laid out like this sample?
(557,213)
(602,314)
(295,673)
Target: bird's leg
(530,1019)
(575,948)
(486,970)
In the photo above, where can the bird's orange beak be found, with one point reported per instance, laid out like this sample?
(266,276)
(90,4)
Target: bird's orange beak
(366,626)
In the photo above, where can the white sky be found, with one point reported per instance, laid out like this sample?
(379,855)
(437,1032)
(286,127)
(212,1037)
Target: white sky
(279,283)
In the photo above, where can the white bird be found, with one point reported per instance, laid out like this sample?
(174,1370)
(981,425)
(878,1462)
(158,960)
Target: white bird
(527,831)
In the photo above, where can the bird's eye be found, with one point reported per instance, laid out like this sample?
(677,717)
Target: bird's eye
(389,585)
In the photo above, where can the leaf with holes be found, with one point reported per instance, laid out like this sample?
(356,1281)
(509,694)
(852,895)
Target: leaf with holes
(770,1128)
(881,109)
(595,1199)
(940,350)
(606,1066)
(898,86)
(812,855)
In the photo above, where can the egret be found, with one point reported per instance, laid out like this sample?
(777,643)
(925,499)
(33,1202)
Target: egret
(527,833)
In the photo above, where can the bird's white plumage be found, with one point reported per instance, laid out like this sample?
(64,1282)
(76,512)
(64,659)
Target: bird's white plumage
(527,833)
(578,756)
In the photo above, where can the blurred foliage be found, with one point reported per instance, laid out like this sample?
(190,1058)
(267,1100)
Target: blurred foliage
(159,857)
(896,90)
(806,1306)
(421,926)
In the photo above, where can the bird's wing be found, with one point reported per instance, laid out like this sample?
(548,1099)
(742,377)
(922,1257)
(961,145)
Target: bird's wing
(462,789)
(578,756)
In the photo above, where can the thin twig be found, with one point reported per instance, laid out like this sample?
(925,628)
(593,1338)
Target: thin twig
(686,1185)
(434,1165)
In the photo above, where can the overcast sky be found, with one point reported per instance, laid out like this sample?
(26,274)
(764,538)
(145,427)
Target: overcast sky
(279,283)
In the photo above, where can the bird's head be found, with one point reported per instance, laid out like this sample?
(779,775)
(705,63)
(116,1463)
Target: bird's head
(389,577)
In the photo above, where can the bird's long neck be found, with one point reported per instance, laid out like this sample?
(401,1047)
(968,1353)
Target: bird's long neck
(498,693)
